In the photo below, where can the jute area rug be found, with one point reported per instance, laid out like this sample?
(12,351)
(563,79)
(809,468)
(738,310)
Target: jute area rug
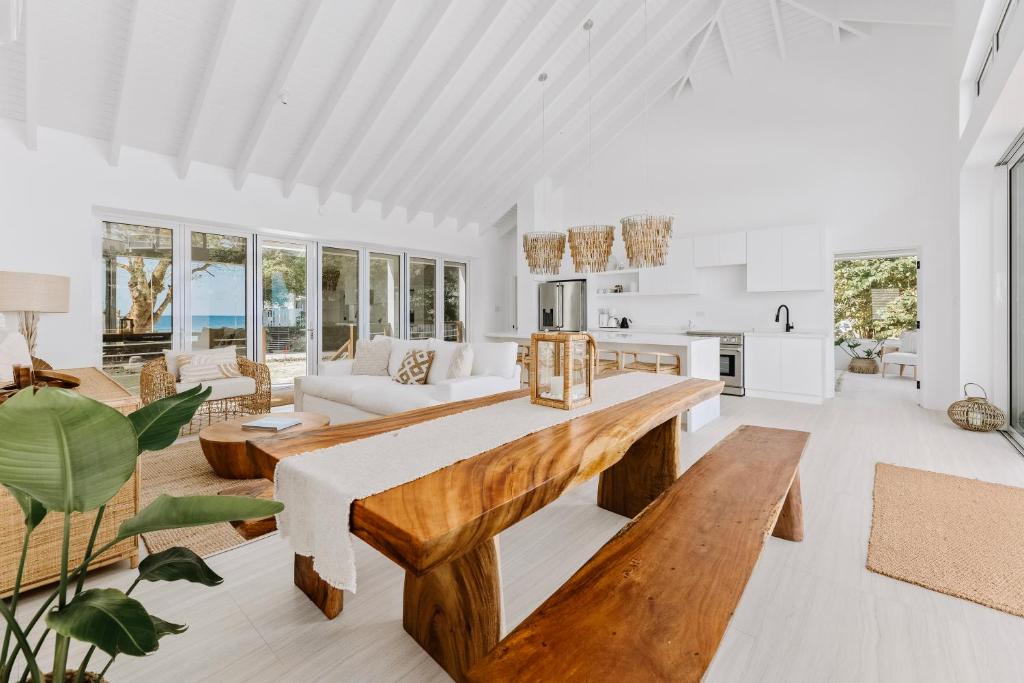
(953,535)
(181,470)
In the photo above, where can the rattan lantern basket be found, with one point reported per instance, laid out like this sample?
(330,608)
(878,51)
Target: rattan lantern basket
(975,413)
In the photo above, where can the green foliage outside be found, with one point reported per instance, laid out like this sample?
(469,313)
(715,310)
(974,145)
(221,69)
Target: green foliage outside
(855,318)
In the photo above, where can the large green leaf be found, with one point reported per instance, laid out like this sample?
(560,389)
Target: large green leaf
(177,564)
(108,619)
(30,507)
(166,628)
(170,512)
(157,425)
(65,450)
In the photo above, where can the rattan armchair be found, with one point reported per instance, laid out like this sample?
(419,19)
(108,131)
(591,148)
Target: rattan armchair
(156,383)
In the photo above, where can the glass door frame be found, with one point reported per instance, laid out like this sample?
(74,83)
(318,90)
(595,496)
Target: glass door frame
(1012,306)
(312,250)
(183,245)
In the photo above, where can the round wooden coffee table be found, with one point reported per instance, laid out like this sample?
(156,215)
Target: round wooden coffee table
(224,443)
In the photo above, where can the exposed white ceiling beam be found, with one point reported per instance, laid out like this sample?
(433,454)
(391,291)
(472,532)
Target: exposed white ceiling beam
(904,12)
(187,150)
(511,142)
(484,82)
(381,10)
(454,161)
(273,96)
(425,28)
(836,34)
(727,45)
(422,109)
(130,54)
(696,58)
(675,17)
(659,75)
(32,82)
(780,36)
(806,8)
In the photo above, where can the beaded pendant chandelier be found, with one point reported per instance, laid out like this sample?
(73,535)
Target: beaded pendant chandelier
(544,252)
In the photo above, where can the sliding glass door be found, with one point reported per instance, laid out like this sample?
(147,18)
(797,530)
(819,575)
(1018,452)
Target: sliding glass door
(455,301)
(422,297)
(286,328)
(218,301)
(339,299)
(1016,421)
(385,304)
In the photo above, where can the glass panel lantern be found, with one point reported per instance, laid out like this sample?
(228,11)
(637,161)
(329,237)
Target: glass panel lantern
(562,369)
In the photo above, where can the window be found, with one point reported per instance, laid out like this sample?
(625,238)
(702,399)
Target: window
(138,316)
(340,296)
(218,291)
(385,294)
(422,297)
(454,301)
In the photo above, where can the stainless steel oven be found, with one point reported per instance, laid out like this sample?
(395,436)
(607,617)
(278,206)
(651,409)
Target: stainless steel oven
(730,359)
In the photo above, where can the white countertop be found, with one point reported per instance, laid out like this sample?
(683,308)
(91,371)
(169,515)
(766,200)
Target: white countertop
(616,335)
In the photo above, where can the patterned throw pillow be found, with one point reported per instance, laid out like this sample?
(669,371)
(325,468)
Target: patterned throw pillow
(205,366)
(415,367)
(372,357)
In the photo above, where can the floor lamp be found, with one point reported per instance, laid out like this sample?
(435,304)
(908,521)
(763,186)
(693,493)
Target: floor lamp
(30,294)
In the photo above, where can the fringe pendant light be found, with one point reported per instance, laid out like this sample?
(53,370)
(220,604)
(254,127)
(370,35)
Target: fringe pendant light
(544,250)
(647,238)
(590,245)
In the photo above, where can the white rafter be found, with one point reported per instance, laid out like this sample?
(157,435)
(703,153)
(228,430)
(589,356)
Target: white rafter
(32,83)
(424,30)
(381,10)
(654,70)
(780,35)
(454,161)
(423,108)
(131,48)
(902,13)
(511,142)
(187,150)
(725,35)
(508,52)
(665,23)
(696,57)
(819,14)
(273,97)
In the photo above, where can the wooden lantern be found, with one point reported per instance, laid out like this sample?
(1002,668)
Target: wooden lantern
(562,369)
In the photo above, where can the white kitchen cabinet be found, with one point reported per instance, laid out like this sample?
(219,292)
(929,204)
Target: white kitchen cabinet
(727,249)
(802,258)
(785,259)
(762,363)
(784,367)
(764,260)
(677,276)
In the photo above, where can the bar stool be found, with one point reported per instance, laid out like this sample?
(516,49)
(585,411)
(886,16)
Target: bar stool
(604,364)
(664,363)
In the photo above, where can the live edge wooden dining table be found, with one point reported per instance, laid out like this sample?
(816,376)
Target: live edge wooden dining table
(442,528)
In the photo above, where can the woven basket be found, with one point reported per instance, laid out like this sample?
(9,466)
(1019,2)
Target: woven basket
(975,413)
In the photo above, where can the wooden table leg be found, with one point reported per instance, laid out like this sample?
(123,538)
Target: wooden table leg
(649,467)
(454,611)
(329,599)
(790,524)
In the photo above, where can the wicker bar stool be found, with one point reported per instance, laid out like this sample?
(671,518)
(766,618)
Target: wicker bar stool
(664,363)
(604,364)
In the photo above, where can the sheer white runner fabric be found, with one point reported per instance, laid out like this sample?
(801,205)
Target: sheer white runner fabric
(318,487)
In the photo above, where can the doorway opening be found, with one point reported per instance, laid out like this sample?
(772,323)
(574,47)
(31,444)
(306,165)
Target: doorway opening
(877,331)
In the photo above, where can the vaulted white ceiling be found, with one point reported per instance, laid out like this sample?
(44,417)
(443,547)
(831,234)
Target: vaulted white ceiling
(431,105)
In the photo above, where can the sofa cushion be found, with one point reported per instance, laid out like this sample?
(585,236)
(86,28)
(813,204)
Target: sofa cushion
(415,367)
(223,388)
(496,358)
(372,356)
(390,397)
(206,366)
(446,353)
(13,351)
(340,388)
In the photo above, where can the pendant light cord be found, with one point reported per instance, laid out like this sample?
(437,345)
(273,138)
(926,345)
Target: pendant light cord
(590,123)
(647,117)
(542,79)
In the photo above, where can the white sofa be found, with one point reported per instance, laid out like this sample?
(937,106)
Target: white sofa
(345,397)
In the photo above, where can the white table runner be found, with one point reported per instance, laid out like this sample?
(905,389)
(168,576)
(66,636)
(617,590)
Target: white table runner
(318,487)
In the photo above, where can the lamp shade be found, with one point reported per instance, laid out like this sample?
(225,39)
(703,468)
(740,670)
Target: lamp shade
(36,292)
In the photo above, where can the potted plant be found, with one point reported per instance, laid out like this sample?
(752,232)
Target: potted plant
(61,452)
(862,357)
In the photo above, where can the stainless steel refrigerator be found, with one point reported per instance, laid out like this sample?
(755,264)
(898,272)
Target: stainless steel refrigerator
(562,306)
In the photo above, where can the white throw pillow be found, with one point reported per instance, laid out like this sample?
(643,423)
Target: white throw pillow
(444,355)
(497,359)
(908,342)
(13,351)
(207,365)
(372,356)
(462,364)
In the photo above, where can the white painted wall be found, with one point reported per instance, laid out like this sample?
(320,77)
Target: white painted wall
(859,139)
(47,225)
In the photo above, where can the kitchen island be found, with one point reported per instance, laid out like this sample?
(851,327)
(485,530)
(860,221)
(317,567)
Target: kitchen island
(699,355)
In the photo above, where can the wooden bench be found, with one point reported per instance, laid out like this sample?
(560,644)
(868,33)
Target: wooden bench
(654,602)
